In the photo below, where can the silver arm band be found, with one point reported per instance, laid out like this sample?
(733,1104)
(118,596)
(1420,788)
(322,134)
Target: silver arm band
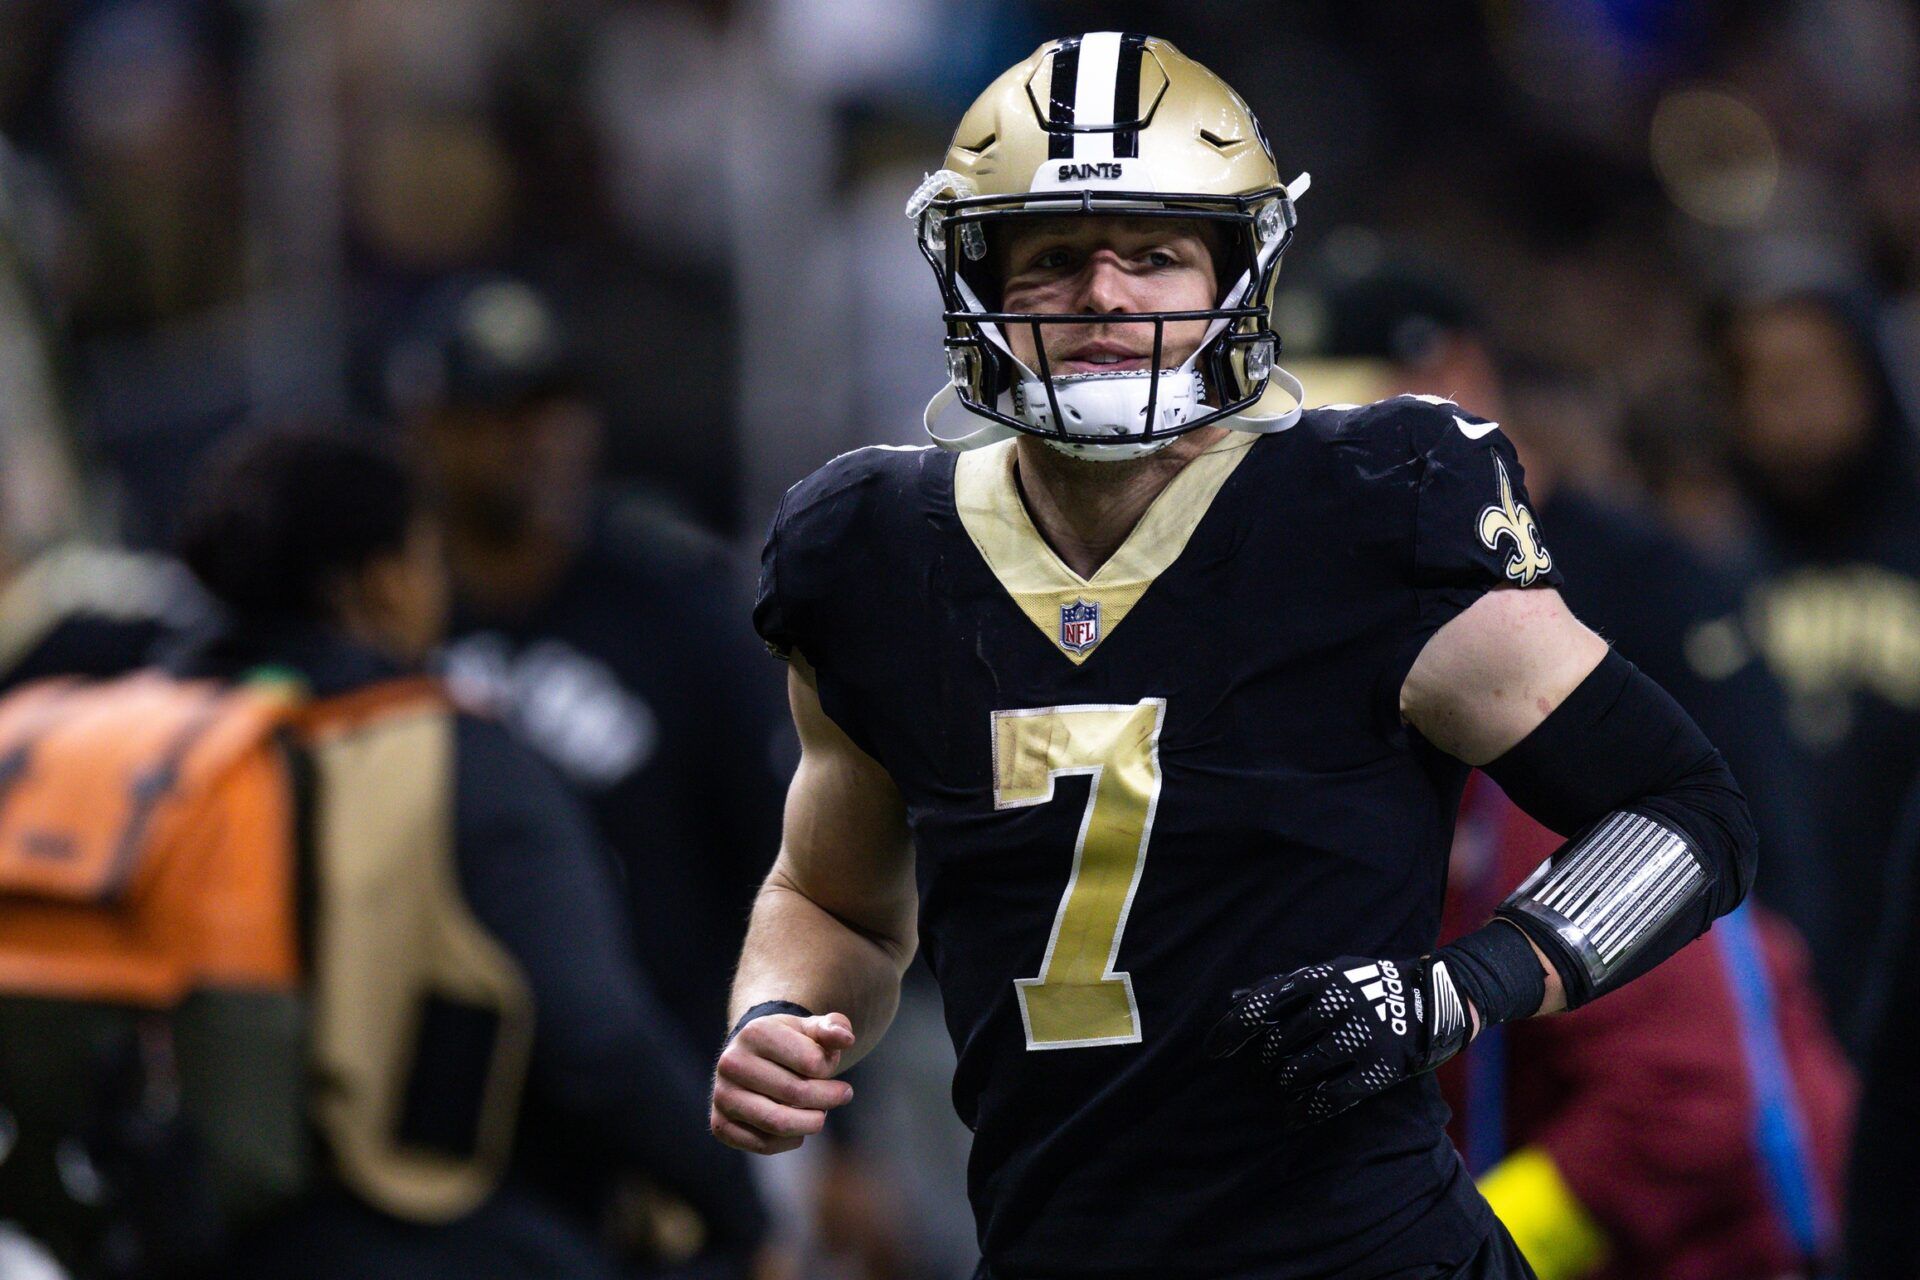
(1607,892)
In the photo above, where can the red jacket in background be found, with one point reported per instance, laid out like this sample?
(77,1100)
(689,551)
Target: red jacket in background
(1643,1099)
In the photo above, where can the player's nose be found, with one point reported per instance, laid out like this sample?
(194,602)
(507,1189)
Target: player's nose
(1105,287)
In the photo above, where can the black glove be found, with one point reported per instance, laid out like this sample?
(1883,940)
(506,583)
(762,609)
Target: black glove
(1334,1034)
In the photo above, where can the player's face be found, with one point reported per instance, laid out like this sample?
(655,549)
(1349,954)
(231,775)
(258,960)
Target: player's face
(1106,266)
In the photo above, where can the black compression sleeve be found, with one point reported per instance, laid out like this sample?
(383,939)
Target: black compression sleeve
(1619,742)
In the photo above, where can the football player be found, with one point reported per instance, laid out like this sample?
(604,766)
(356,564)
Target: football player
(1144,705)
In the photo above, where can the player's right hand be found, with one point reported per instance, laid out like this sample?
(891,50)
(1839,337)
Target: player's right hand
(774,1082)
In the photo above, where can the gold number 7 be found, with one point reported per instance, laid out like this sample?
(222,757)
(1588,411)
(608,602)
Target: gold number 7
(1078,1000)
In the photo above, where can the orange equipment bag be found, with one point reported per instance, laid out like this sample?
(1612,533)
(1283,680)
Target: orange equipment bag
(151,1012)
(146,840)
(224,911)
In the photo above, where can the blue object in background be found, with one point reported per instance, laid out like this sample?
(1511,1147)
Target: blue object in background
(1780,1131)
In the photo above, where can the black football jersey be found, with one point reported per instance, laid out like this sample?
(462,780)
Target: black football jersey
(1130,795)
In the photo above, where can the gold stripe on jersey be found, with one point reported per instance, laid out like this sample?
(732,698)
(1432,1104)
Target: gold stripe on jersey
(988,499)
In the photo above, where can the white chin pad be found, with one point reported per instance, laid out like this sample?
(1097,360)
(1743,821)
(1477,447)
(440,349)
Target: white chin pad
(1091,452)
(1111,408)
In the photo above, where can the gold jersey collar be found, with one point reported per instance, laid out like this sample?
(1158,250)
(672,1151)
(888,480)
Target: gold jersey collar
(987,498)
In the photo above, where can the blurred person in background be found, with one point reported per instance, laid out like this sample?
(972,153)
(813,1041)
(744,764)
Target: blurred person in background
(1826,458)
(328,562)
(1695,1124)
(536,1048)
(602,628)
(67,605)
(128,118)
(574,147)
(1695,1127)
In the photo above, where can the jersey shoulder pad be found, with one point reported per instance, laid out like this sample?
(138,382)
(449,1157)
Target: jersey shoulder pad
(830,525)
(1403,429)
(854,487)
(1473,524)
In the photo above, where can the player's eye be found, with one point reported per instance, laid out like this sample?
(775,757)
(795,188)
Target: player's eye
(1160,258)
(1056,259)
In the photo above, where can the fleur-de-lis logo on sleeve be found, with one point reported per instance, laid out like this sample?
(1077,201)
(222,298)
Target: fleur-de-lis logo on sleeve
(1511,520)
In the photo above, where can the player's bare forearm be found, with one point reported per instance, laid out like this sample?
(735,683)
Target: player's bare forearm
(799,950)
(834,925)
(1555,1000)
(833,930)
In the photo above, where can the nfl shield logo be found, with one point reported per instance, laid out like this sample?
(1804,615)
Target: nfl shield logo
(1079,626)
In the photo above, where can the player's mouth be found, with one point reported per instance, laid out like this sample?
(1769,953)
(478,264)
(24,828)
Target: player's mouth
(1101,357)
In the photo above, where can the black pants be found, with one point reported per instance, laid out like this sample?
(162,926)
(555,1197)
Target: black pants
(1498,1259)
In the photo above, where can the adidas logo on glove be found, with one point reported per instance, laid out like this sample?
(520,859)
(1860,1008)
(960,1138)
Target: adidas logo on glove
(1388,994)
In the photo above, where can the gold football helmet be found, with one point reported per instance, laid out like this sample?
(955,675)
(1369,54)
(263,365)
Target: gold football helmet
(1106,124)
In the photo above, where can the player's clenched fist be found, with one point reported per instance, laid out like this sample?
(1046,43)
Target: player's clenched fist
(774,1083)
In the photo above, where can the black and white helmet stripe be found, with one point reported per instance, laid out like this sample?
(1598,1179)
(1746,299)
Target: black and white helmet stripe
(1094,112)
(1066,88)
(1126,97)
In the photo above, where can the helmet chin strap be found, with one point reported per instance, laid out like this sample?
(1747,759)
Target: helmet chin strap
(953,426)
(1095,451)
(1255,419)
(1118,448)
(1111,408)
(956,428)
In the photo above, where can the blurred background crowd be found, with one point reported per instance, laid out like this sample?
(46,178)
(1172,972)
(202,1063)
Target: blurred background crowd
(614,273)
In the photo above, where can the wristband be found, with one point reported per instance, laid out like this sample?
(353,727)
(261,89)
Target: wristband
(1495,968)
(762,1010)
